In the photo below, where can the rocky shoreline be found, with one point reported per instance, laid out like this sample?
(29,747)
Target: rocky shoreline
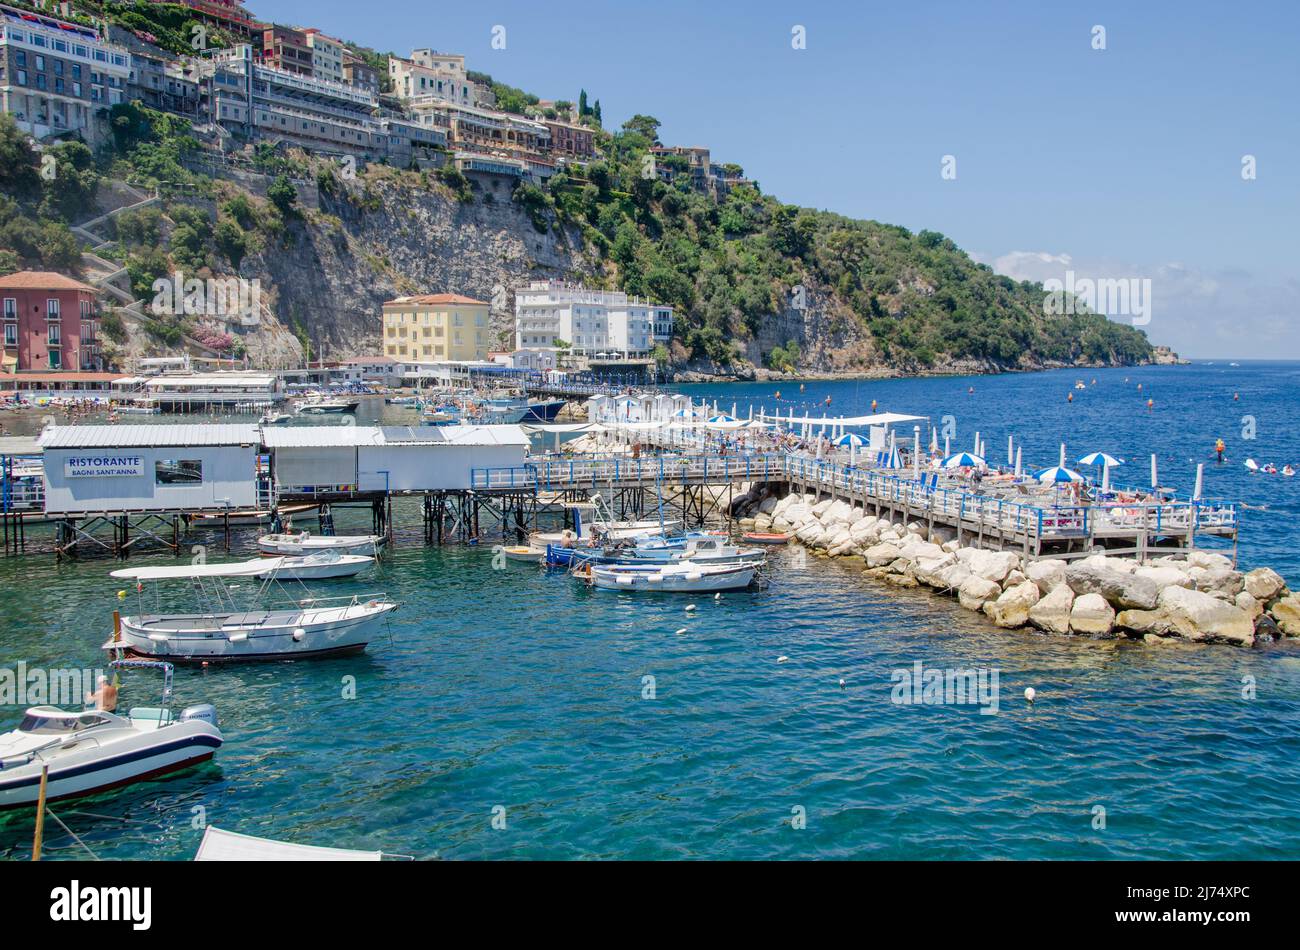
(1194,596)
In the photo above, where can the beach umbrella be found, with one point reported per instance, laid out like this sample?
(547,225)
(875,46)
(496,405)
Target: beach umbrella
(1019,468)
(934,440)
(854,442)
(1155,477)
(892,460)
(1058,475)
(1099,458)
(964,460)
(1105,478)
(1061,463)
(1011,449)
(947,449)
(724,418)
(1200,478)
(916,452)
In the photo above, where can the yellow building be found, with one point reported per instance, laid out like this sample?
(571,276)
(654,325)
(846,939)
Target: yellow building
(432,327)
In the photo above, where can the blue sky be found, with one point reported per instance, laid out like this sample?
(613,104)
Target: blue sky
(1120,163)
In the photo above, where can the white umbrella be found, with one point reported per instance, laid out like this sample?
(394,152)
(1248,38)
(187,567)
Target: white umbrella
(1061,464)
(1105,478)
(1155,478)
(1019,469)
(1099,458)
(916,452)
(1058,474)
(934,440)
(1011,449)
(1200,477)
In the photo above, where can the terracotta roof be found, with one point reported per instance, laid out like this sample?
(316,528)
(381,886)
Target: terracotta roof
(437,298)
(42,280)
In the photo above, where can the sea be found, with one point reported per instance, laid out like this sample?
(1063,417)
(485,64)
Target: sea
(511,713)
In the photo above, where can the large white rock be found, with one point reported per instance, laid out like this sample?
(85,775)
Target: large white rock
(879,555)
(810,533)
(1048,575)
(1052,611)
(762,522)
(838,512)
(993,565)
(1091,614)
(822,507)
(914,548)
(865,529)
(1209,560)
(976,591)
(1123,590)
(930,570)
(1121,564)
(1264,583)
(1217,580)
(1196,615)
(1011,609)
(1164,577)
(796,512)
(1286,613)
(953,576)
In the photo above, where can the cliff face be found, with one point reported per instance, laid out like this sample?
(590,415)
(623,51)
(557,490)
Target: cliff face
(380,240)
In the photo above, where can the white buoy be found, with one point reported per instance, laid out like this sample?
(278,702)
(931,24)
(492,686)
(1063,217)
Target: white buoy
(680,631)
(717,596)
(690,607)
(782,659)
(1029,694)
(841,682)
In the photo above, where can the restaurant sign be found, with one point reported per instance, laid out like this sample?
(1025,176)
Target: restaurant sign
(102,466)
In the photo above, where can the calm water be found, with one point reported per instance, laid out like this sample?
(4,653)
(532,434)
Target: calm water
(523,690)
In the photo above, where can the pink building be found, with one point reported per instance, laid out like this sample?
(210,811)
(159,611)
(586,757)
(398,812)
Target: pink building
(51,322)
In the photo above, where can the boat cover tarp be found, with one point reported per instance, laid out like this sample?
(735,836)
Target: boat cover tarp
(219,845)
(251,568)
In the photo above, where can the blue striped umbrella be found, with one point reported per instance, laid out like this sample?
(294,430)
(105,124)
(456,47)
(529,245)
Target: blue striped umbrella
(724,418)
(1056,474)
(964,460)
(892,459)
(852,440)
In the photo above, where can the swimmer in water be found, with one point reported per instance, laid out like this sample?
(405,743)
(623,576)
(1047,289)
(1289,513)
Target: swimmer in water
(1219,448)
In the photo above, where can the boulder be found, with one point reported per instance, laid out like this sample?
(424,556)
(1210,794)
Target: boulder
(1052,611)
(879,555)
(1090,613)
(1197,616)
(914,548)
(768,505)
(929,570)
(1218,580)
(952,546)
(1164,577)
(1121,564)
(1123,590)
(993,565)
(1286,613)
(822,507)
(762,522)
(953,576)
(1014,578)
(1048,575)
(1143,621)
(1011,609)
(810,533)
(975,591)
(1249,604)
(902,566)
(1209,560)
(1264,583)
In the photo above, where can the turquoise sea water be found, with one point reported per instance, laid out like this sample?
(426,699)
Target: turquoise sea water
(524,690)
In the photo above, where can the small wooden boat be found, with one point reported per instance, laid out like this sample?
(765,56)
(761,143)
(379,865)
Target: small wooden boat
(760,537)
(524,554)
(680,577)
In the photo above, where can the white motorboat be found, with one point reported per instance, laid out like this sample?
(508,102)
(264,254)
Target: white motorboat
(675,577)
(327,405)
(322,565)
(304,542)
(221,631)
(709,549)
(94,750)
(276,419)
(523,553)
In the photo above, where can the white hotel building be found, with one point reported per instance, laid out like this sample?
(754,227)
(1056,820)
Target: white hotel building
(594,323)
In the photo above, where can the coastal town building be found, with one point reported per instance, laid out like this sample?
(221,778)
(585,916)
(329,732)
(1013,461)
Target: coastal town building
(162,84)
(435,327)
(574,141)
(55,75)
(326,56)
(357,72)
(599,323)
(51,322)
(286,48)
(429,73)
(229,16)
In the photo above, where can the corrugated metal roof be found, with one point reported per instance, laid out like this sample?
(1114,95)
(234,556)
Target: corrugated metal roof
(312,437)
(485,435)
(141,436)
(19,445)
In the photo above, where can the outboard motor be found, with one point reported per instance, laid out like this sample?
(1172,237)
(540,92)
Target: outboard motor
(205,711)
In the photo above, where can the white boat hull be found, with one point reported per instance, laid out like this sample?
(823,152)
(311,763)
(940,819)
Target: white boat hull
(253,635)
(96,768)
(294,545)
(314,567)
(668,581)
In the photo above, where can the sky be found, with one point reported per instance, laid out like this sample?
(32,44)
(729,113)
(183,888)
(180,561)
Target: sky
(1128,162)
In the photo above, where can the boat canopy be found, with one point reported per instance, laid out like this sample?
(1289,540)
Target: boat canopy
(250,568)
(220,845)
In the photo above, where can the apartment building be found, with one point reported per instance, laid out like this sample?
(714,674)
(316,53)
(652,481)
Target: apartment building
(327,56)
(51,322)
(574,141)
(357,72)
(436,327)
(597,323)
(286,48)
(252,97)
(162,84)
(429,73)
(227,15)
(55,76)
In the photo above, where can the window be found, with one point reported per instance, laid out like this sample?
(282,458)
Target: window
(56,360)
(11,308)
(11,334)
(52,308)
(177,472)
(54,334)
(20,58)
